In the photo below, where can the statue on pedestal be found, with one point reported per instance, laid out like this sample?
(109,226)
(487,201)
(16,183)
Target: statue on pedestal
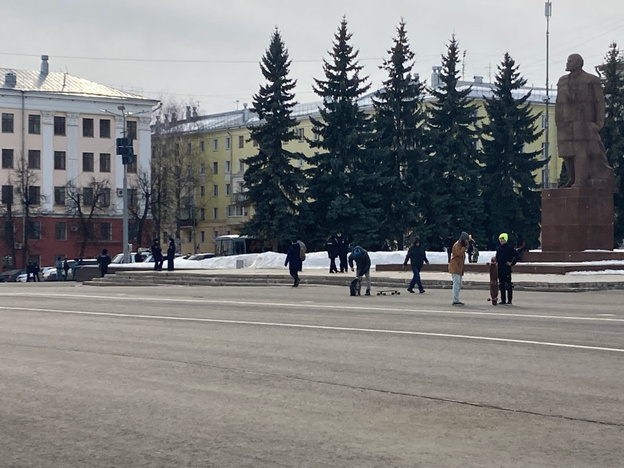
(580,115)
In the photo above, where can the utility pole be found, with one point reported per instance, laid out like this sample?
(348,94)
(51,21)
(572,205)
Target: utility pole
(546,182)
(126,151)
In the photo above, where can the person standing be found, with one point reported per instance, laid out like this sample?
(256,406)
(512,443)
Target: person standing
(157,255)
(59,268)
(506,257)
(417,256)
(65,270)
(343,250)
(456,266)
(170,254)
(103,261)
(332,252)
(293,261)
(471,247)
(363,263)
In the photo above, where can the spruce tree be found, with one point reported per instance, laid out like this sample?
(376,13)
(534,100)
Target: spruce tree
(274,183)
(451,185)
(343,180)
(613,130)
(399,140)
(510,192)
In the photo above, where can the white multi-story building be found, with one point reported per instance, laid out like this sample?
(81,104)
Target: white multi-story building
(58,133)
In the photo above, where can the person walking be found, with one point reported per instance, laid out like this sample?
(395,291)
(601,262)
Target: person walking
(332,252)
(363,263)
(456,266)
(506,257)
(416,255)
(103,261)
(343,250)
(293,261)
(170,254)
(157,255)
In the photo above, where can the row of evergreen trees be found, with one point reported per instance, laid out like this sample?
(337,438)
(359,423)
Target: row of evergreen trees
(406,169)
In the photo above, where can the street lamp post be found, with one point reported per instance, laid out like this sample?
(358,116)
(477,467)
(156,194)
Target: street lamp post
(126,248)
(548,11)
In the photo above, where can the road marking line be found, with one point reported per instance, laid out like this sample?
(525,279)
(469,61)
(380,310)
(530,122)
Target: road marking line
(318,327)
(320,306)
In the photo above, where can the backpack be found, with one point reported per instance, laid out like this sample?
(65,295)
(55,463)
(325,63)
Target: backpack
(302,250)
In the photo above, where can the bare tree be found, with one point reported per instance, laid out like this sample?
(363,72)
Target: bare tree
(84,203)
(139,212)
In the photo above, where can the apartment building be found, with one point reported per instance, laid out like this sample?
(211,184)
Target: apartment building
(216,203)
(61,178)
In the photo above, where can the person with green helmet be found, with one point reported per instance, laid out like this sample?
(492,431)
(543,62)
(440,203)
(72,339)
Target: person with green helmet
(506,257)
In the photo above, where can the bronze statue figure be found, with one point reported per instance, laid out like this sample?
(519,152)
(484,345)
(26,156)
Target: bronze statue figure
(580,115)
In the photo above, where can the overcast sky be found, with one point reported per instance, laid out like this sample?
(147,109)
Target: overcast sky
(207,51)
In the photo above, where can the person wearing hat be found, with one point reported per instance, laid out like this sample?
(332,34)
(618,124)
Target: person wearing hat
(293,261)
(506,257)
(343,250)
(456,265)
(363,264)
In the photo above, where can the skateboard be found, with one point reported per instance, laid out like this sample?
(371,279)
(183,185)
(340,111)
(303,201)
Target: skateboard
(385,292)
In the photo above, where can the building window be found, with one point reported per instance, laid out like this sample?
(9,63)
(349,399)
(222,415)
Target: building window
(190,236)
(241,141)
(202,191)
(59,195)
(215,213)
(132,167)
(87,162)
(60,231)
(203,236)
(34,159)
(300,134)
(254,143)
(87,196)
(34,124)
(7,123)
(215,167)
(7,194)
(131,128)
(7,158)
(105,162)
(105,127)
(228,143)
(34,195)
(59,126)
(228,167)
(189,170)
(215,144)
(215,190)
(202,214)
(34,230)
(105,232)
(105,197)
(87,128)
(202,146)
(241,165)
(189,148)
(133,199)
(202,169)
(59,160)
(227,189)
(176,149)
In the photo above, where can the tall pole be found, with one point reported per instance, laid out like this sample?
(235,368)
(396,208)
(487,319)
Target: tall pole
(126,249)
(548,10)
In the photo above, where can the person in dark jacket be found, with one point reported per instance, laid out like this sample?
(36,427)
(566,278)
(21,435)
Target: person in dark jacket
(293,261)
(343,250)
(103,261)
(170,254)
(332,252)
(448,245)
(157,254)
(363,263)
(417,256)
(506,257)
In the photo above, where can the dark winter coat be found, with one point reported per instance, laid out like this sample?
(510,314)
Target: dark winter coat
(363,262)
(416,255)
(506,257)
(343,246)
(332,247)
(293,257)
(171,250)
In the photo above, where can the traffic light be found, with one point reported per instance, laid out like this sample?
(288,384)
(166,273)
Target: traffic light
(125,150)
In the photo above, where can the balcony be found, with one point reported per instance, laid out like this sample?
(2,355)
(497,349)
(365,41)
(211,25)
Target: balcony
(240,197)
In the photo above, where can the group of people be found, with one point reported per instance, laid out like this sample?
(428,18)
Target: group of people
(32,271)
(62,269)
(337,247)
(159,259)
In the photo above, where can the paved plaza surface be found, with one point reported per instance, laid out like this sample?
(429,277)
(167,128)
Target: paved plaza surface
(270,375)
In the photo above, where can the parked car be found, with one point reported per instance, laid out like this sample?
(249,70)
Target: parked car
(11,275)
